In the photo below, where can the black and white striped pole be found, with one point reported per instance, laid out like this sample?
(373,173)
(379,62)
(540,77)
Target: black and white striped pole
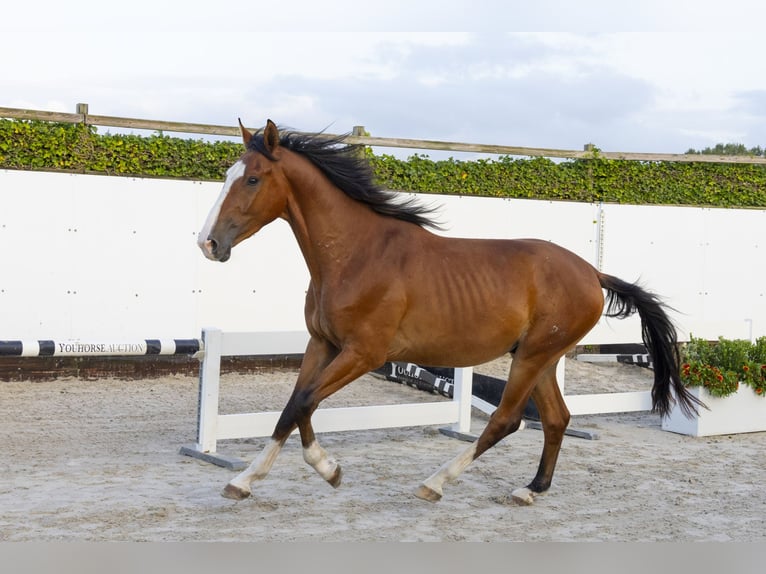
(50,348)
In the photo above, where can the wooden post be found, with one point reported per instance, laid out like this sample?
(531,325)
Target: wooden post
(82,109)
(590,148)
(359,131)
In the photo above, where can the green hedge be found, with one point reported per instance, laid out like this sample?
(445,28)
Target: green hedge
(76,147)
(615,181)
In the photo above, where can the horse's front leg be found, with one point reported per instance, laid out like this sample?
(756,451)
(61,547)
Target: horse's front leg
(345,368)
(325,465)
(318,355)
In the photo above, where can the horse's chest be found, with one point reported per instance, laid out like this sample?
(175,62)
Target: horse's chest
(337,309)
(323,315)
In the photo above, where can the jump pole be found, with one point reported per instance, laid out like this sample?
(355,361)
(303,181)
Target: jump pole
(140,347)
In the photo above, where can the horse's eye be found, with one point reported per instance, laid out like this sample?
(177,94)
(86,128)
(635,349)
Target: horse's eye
(252,180)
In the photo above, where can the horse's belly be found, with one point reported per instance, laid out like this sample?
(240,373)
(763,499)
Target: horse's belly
(465,348)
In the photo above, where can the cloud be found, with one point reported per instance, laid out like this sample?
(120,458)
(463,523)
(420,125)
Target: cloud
(743,121)
(623,92)
(752,103)
(494,89)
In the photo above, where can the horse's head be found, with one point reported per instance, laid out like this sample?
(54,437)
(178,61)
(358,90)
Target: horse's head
(253,195)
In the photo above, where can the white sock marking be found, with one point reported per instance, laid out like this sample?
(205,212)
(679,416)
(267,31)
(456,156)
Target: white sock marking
(451,470)
(259,468)
(317,457)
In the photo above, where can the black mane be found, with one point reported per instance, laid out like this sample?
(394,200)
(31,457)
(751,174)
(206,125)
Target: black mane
(348,169)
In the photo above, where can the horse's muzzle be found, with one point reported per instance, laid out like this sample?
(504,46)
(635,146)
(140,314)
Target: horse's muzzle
(213,250)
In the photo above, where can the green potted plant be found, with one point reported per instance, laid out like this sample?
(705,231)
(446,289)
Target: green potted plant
(729,376)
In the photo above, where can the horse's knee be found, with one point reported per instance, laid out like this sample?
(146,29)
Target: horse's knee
(303,402)
(299,408)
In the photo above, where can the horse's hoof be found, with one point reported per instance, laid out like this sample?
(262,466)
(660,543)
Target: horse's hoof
(427,493)
(336,477)
(523,496)
(234,492)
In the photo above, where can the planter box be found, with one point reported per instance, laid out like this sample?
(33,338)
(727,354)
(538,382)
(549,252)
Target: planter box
(741,412)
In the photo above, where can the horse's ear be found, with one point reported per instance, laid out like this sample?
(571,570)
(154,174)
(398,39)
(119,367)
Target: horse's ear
(271,136)
(246,135)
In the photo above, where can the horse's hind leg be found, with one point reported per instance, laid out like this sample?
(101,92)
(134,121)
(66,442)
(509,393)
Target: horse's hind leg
(239,487)
(505,420)
(554,416)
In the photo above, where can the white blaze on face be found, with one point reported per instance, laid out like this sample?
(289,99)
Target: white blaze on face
(233,174)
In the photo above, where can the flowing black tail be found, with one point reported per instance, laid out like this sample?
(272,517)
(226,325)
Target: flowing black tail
(659,335)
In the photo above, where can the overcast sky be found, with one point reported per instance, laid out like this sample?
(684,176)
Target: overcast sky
(651,76)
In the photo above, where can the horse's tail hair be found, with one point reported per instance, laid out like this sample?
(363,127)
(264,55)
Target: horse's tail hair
(659,336)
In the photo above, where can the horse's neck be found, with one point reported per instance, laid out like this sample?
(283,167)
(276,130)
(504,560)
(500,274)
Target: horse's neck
(327,224)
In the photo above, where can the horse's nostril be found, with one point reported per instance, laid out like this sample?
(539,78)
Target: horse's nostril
(213,244)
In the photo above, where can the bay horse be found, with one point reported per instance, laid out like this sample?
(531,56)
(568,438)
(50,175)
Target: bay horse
(385,288)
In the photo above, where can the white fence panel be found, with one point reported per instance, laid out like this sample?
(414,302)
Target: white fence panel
(705,263)
(571,225)
(94,257)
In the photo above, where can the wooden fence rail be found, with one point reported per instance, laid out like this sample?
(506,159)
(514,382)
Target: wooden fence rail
(82,116)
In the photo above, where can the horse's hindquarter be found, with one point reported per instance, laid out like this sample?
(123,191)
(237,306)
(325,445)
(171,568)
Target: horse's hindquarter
(471,300)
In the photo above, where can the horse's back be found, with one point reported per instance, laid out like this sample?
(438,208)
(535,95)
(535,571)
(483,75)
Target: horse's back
(504,264)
